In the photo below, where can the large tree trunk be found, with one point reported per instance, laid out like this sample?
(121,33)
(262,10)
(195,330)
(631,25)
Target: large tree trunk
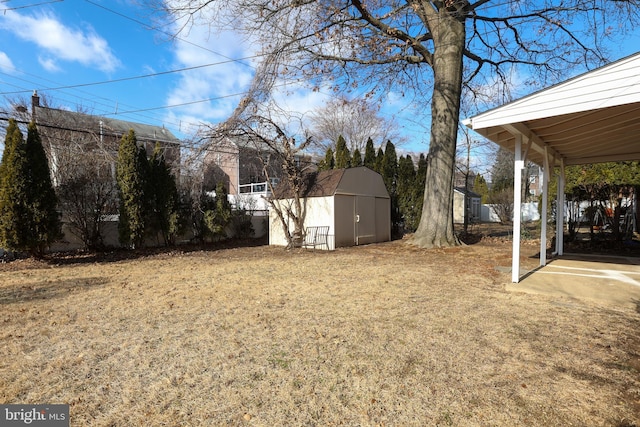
(436,223)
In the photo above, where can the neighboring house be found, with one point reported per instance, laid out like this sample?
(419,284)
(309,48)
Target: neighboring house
(69,136)
(534,176)
(353,203)
(79,144)
(246,168)
(465,200)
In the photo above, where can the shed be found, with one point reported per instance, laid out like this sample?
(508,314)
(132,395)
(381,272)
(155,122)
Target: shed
(465,201)
(353,202)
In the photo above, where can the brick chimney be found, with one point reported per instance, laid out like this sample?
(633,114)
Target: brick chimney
(35,102)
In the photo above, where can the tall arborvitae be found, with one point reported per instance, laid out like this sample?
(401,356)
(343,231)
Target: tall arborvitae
(132,186)
(163,198)
(28,217)
(217,219)
(13,190)
(389,172)
(419,184)
(406,193)
(370,155)
(356,159)
(379,159)
(480,187)
(343,157)
(421,172)
(44,219)
(389,169)
(329,162)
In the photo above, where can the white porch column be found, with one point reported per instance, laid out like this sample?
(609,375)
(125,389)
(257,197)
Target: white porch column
(544,179)
(560,211)
(517,208)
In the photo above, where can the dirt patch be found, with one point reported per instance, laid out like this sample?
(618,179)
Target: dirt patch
(384,334)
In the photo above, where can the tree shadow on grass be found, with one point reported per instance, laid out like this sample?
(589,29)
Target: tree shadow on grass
(476,232)
(470,238)
(47,290)
(116,255)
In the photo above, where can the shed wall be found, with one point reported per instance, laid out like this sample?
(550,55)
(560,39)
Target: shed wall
(365,220)
(360,191)
(319,212)
(276,233)
(383,219)
(458,207)
(345,207)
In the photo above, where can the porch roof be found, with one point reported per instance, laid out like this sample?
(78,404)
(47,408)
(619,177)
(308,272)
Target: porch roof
(591,118)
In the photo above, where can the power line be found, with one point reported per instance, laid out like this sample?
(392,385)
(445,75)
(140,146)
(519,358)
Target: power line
(93,98)
(123,79)
(28,5)
(241,61)
(148,27)
(179,143)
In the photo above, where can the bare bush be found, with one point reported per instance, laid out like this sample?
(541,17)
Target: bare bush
(502,202)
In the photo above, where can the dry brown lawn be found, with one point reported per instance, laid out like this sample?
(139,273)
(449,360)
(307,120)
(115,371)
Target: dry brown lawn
(379,335)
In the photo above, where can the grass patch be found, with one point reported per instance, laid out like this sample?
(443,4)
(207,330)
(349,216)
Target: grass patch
(383,334)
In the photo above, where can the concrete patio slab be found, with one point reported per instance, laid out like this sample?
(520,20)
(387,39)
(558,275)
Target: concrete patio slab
(610,280)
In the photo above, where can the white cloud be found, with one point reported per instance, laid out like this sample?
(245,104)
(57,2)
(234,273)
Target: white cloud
(61,42)
(49,64)
(5,63)
(297,103)
(223,82)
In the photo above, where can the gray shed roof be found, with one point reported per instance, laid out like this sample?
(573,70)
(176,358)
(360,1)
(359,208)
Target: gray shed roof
(351,181)
(466,192)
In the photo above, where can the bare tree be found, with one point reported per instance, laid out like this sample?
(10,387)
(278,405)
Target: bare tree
(259,120)
(356,120)
(87,197)
(428,50)
(463,167)
(289,204)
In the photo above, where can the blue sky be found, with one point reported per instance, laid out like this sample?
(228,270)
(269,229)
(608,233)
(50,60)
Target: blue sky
(88,53)
(86,47)
(104,57)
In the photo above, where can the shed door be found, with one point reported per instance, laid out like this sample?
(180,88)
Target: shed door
(365,219)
